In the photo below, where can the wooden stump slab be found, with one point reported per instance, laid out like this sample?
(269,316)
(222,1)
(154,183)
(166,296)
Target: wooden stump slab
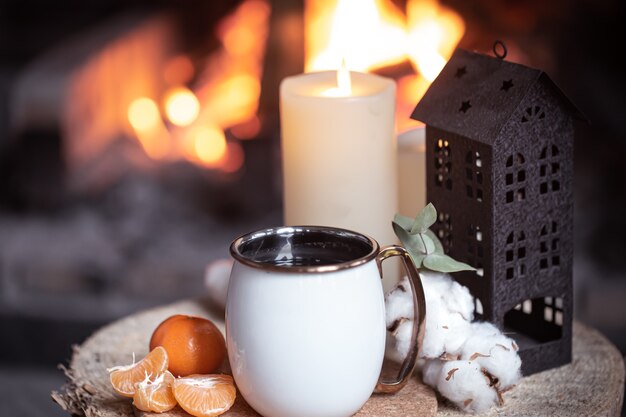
(592,385)
(89,392)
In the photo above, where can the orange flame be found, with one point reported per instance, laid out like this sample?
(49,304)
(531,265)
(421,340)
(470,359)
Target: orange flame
(226,95)
(231,82)
(371,34)
(144,117)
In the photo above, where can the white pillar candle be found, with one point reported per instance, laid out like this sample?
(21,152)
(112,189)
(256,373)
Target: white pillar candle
(412,171)
(339,152)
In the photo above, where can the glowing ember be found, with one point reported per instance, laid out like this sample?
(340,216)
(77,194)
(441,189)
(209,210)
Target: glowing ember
(143,114)
(144,117)
(209,144)
(181,106)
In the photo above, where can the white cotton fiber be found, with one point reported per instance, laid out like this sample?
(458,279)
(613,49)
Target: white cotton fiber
(496,353)
(449,311)
(471,364)
(445,331)
(431,369)
(399,302)
(400,340)
(456,297)
(464,383)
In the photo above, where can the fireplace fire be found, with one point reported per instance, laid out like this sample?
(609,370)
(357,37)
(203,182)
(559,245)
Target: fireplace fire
(151,148)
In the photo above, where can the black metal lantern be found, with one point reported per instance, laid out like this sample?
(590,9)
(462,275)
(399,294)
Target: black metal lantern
(499,152)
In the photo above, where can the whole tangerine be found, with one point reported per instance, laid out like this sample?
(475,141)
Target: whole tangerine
(194,345)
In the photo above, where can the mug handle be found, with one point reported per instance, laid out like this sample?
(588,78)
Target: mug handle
(419,314)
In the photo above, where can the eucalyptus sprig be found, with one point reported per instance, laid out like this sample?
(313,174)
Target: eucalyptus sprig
(423,245)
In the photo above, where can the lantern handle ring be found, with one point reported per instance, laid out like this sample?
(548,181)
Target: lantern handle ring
(499,49)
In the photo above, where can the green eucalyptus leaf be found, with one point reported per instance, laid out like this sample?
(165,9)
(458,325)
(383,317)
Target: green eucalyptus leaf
(429,244)
(426,218)
(418,259)
(435,239)
(444,263)
(413,243)
(403,221)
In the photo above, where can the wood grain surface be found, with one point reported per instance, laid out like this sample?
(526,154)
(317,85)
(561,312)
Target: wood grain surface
(593,385)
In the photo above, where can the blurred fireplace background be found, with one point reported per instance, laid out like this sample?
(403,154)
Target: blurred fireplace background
(138,138)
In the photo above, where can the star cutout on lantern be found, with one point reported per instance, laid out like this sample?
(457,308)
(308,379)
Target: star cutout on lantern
(465,106)
(460,71)
(506,85)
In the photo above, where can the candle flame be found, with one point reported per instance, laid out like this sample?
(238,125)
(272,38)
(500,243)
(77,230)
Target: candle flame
(344,84)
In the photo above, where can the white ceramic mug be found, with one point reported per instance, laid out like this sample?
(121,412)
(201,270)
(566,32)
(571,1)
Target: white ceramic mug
(305,320)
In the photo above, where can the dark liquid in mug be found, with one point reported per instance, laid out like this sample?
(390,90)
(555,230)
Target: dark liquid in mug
(301,247)
(304,259)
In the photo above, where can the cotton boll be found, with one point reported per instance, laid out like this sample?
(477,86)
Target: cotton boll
(436,284)
(484,329)
(399,302)
(468,363)
(445,332)
(216,278)
(496,353)
(399,340)
(456,297)
(459,300)
(464,383)
(446,329)
(391,351)
(431,369)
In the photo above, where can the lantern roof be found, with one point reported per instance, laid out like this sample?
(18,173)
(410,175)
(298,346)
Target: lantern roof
(475,95)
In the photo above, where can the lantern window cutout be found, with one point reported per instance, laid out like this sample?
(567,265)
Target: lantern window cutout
(537,320)
(549,246)
(478,309)
(443,164)
(515,178)
(515,254)
(443,230)
(474,176)
(549,170)
(474,249)
(533,113)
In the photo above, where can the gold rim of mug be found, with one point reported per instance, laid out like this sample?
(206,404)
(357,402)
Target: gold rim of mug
(236,244)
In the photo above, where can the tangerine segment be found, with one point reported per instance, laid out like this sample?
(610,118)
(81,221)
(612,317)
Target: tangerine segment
(125,378)
(205,395)
(155,395)
(194,344)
